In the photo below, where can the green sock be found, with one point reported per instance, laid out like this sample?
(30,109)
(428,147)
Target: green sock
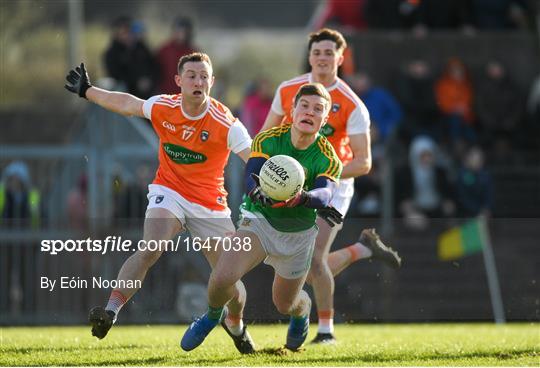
(214,313)
(299,318)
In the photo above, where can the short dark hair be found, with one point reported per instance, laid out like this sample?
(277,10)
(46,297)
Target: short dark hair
(193,57)
(186,24)
(330,35)
(312,89)
(121,22)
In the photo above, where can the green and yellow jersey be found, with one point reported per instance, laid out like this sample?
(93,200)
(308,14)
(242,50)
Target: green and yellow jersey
(319,159)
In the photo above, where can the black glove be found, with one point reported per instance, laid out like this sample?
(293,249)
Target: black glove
(78,81)
(330,215)
(257,194)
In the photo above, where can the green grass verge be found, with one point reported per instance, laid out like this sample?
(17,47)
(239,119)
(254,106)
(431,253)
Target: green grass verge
(359,345)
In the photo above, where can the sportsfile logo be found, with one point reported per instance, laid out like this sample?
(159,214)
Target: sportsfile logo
(168,126)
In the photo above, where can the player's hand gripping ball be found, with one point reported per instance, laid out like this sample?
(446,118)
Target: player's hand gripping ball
(281,177)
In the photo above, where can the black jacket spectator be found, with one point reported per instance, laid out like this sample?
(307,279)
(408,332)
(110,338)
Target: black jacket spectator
(129,61)
(444,14)
(414,91)
(499,105)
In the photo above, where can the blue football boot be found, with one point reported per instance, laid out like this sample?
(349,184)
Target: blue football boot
(198,330)
(297,333)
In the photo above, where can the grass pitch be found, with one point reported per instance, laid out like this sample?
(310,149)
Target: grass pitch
(359,345)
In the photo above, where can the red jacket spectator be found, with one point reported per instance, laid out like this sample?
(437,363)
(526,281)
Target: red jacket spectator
(256,105)
(345,14)
(179,44)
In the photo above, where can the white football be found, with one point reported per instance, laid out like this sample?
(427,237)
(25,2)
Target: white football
(281,177)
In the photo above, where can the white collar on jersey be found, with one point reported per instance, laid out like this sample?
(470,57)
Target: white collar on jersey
(200,116)
(330,88)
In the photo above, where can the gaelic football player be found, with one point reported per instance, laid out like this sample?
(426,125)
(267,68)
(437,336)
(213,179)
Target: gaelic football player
(281,234)
(348,132)
(196,134)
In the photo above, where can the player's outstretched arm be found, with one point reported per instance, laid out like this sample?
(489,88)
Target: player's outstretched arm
(361,163)
(319,197)
(78,82)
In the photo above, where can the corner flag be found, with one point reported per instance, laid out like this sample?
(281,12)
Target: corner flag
(469,238)
(462,240)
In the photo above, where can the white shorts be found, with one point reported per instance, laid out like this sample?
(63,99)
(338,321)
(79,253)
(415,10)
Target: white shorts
(343,196)
(288,253)
(198,220)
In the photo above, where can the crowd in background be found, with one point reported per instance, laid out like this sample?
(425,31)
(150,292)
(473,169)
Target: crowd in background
(446,124)
(423,15)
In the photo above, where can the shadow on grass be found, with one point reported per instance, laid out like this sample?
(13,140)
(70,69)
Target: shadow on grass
(38,349)
(282,356)
(116,362)
(374,358)
(303,356)
(274,352)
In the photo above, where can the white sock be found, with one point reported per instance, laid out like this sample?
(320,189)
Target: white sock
(326,321)
(326,325)
(116,302)
(235,328)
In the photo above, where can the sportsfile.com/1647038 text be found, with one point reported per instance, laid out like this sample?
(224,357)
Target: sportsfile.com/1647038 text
(118,244)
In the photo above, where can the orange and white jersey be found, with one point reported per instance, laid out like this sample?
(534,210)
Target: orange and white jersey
(193,150)
(348,115)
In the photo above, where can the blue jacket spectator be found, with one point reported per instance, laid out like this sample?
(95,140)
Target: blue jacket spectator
(384,110)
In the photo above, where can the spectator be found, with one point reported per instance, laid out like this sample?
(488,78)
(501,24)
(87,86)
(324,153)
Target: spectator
(529,140)
(414,90)
(533,102)
(145,68)
(390,14)
(443,14)
(130,197)
(500,14)
(345,15)
(454,95)
(179,44)
(76,205)
(256,105)
(424,188)
(20,203)
(117,56)
(499,103)
(474,185)
(384,110)
(128,60)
